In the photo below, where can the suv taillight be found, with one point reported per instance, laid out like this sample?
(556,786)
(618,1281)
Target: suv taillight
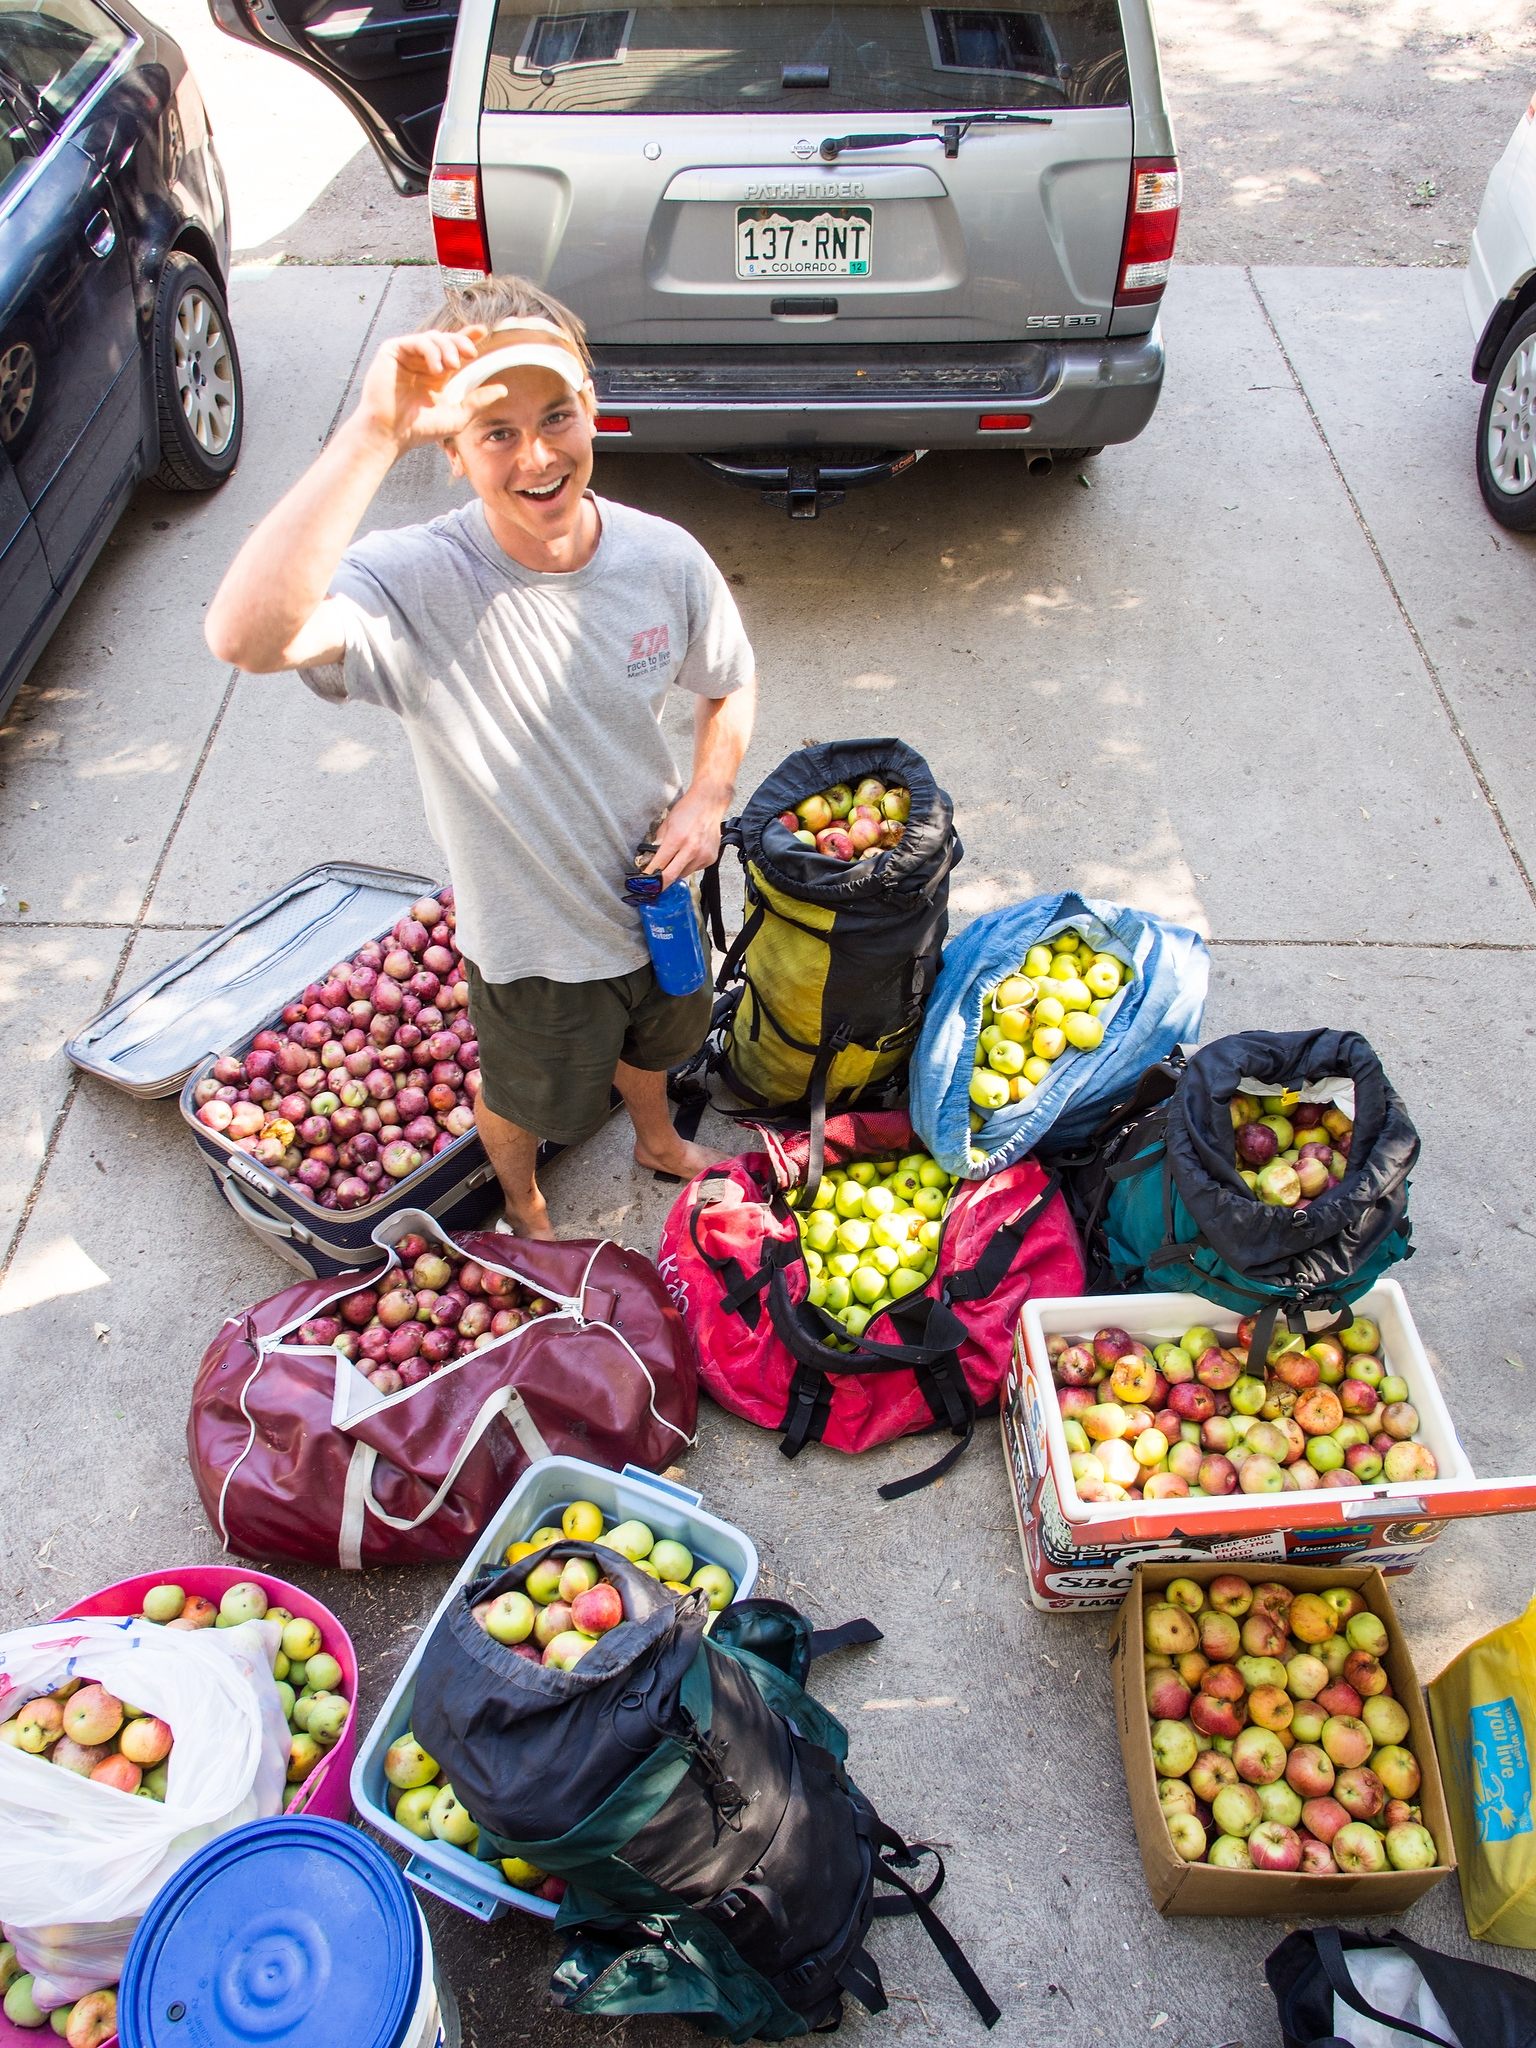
(1151,228)
(458,223)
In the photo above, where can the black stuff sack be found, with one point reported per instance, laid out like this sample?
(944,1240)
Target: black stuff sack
(1334,1989)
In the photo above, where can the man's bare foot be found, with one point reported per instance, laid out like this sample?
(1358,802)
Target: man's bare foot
(680,1158)
(530,1219)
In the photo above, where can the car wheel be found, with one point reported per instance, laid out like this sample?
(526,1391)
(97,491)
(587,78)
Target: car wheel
(20,372)
(1506,430)
(197,379)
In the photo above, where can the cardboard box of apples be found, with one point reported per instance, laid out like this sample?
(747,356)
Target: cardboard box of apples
(1351,1819)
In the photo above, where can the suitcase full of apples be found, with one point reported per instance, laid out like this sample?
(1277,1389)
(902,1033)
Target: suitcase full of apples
(172,1033)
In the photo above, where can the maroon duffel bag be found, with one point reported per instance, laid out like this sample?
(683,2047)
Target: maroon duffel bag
(298,1455)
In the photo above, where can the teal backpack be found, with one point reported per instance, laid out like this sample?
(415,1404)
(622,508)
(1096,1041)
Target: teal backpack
(1160,1206)
(719,1861)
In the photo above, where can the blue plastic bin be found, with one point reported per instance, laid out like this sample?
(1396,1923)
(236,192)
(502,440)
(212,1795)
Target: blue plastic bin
(545,1490)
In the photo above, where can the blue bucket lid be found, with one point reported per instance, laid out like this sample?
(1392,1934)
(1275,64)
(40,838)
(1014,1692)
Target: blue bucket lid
(276,1935)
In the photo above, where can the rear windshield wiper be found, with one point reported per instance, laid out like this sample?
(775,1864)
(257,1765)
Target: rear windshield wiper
(951,127)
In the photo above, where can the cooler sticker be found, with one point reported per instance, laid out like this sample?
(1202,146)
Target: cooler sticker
(1499,1768)
(1264,1543)
(649,652)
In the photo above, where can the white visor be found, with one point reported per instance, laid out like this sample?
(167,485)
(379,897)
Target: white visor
(535,355)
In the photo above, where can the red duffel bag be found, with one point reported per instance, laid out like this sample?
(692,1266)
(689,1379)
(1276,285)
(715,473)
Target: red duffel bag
(730,1253)
(297,1455)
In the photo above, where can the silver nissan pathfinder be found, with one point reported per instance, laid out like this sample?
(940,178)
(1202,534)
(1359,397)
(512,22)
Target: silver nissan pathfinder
(811,239)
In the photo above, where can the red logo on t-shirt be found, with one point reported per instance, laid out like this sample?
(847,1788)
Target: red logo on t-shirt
(650,650)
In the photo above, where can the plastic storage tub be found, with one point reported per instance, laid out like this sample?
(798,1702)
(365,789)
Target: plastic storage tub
(1081,1554)
(540,1496)
(326,1793)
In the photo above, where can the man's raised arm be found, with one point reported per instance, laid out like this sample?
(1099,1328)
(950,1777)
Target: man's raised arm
(271,611)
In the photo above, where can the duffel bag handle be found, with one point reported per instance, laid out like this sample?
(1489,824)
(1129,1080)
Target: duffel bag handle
(359,1501)
(1330,1953)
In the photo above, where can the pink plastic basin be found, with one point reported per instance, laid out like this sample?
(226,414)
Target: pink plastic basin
(325,1791)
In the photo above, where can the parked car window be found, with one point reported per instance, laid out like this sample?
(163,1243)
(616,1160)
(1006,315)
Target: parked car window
(16,152)
(59,48)
(730,56)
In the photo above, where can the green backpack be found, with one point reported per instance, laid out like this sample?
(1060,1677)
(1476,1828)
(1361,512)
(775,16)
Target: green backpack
(719,1862)
(1159,1203)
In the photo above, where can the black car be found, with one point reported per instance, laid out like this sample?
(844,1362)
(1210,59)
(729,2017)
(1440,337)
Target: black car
(117,361)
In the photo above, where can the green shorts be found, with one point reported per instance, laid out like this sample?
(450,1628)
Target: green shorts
(548,1048)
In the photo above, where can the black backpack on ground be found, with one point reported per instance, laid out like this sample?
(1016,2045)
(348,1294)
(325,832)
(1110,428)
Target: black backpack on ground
(720,1862)
(1157,1198)
(822,992)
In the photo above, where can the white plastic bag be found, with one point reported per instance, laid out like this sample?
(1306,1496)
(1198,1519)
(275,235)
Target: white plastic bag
(1393,1983)
(80,1862)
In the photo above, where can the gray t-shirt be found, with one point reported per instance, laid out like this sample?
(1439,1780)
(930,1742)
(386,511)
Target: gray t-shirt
(532,703)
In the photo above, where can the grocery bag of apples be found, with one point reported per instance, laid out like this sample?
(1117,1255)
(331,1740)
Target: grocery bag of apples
(124,1746)
(1042,1017)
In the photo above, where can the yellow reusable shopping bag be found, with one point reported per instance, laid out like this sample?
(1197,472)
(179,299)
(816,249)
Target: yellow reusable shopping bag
(1483,1706)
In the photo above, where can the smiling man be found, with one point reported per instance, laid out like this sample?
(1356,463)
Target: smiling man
(527,641)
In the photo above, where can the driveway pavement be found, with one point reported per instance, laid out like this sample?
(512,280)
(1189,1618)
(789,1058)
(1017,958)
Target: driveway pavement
(1268,669)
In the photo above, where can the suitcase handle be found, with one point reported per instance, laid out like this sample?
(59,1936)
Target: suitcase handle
(246,1210)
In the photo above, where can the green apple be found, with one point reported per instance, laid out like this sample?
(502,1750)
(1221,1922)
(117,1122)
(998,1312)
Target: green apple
(988,1091)
(893,1230)
(406,1763)
(849,1198)
(820,1231)
(1103,977)
(21,2008)
(413,1810)
(715,1581)
(884,1258)
(301,1639)
(929,1201)
(930,1235)
(931,1175)
(838,1294)
(450,1821)
(327,1717)
(864,1171)
(630,1539)
(322,1673)
(1006,1057)
(1049,1042)
(163,1603)
(673,1560)
(1014,1026)
(868,1284)
(906,1280)
(509,1618)
(843,1264)
(1083,1031)
(853,1233)
(878,1201)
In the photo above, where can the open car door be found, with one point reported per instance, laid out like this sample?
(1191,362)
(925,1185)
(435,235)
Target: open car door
(387,59)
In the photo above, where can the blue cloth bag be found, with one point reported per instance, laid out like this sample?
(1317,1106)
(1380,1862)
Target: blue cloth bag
(1162,1006)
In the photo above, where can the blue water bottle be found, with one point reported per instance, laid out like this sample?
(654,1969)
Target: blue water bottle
(672,931)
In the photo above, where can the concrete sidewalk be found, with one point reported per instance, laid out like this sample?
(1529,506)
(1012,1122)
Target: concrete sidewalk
(1267,669)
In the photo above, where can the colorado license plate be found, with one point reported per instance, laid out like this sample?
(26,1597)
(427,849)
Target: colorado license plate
(803,241)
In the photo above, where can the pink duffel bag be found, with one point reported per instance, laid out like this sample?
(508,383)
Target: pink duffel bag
(730,1254)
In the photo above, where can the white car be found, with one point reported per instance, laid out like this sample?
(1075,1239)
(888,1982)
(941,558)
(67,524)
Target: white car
(1500,287)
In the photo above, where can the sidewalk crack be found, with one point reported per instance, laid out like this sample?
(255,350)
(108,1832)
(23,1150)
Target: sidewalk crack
(1430,669)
